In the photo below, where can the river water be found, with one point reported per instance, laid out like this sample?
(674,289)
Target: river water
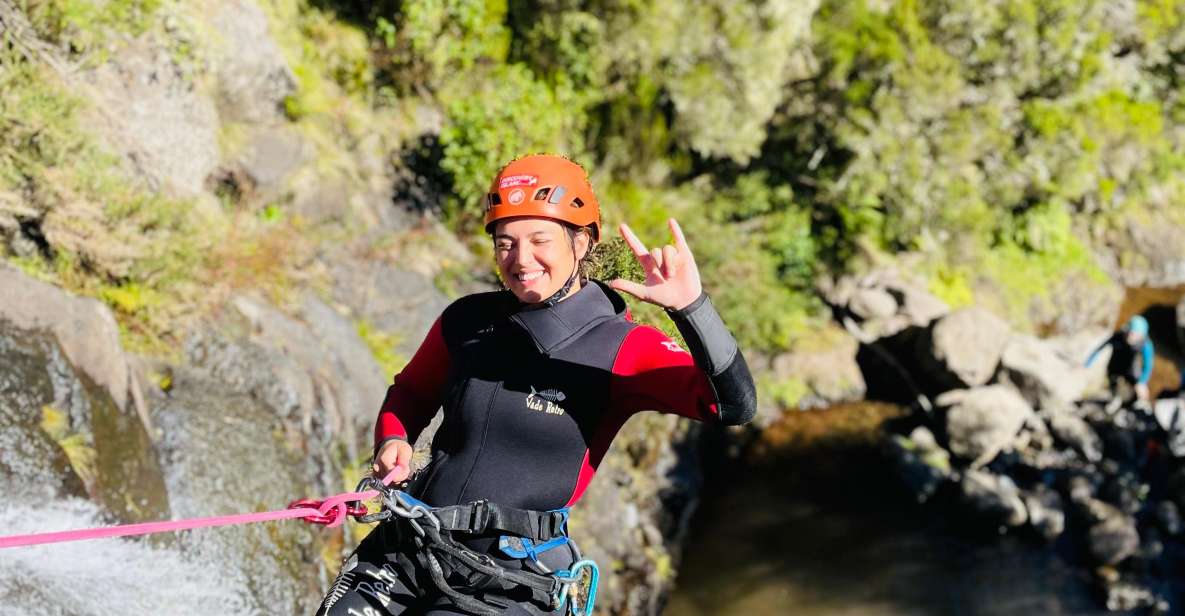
(816,525)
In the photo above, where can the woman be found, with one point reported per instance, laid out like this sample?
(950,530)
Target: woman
(535,382)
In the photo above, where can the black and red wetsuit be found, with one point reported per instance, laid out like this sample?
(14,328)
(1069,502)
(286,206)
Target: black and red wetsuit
(533,398)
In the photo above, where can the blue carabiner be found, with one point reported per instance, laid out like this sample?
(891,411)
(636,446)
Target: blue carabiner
(594,576)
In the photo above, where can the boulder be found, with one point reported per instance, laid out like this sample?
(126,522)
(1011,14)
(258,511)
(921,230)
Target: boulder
(922,464)
(84,327)
(985,421)
(1113,537)
(963,348)
(917,305)
(1040,374)
(253,77)
(1045,512)
(1075,432)
(873,303)
(830,375)
(994,497)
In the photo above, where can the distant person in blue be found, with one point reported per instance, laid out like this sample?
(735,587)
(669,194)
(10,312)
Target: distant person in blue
(1131,357)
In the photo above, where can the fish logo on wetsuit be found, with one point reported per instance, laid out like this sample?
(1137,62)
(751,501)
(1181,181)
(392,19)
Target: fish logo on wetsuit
(546,401)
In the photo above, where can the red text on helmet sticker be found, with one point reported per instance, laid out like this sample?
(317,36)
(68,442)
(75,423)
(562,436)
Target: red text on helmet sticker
(517,180)
(516,196)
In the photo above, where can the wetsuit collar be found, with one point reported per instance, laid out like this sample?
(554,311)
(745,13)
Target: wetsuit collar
(554,327)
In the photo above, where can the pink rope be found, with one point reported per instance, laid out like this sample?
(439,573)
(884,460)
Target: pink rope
(334,506)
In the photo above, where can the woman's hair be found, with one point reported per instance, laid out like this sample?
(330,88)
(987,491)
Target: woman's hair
(585,266)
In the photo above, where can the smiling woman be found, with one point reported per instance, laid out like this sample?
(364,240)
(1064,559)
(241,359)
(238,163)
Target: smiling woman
(535,382)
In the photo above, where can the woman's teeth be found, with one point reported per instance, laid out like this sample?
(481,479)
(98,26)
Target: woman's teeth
(527,277)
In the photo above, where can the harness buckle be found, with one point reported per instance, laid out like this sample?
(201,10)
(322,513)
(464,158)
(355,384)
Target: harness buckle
(480,516)
(558,522)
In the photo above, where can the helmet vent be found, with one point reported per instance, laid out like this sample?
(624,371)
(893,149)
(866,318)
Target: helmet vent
(493,199)
(541,194)
(577,202)
(556,194)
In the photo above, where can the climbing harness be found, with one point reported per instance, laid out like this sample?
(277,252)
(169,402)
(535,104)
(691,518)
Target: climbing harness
(529,534)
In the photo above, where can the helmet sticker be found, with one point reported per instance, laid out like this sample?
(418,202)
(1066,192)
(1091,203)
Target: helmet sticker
(515,197)
(511,181)
(672,346)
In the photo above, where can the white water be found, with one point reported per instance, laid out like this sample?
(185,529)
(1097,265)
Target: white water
(105,576)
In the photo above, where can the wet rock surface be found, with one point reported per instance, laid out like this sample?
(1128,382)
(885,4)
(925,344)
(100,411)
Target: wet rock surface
(226,453)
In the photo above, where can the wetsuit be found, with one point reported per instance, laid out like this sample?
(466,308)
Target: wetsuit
(532,399)
(1125,364)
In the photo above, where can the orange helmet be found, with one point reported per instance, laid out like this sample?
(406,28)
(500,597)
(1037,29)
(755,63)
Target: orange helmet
(546,186)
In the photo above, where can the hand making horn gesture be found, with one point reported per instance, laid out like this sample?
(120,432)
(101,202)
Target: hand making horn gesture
(672,279)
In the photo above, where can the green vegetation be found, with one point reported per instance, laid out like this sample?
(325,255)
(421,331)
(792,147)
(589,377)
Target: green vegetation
(382,346)
(790,138)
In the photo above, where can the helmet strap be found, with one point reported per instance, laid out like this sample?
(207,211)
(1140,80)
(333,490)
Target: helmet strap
(567,288)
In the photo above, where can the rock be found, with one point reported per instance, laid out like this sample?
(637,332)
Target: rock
(253,77)
(349,385)
(62,435)
(84,327)
(1078,299)
(1168,517)
(1080,490)
(963,348)
(1170,416)
(922,464)
(245,367)
(918,306)
(1147,253)
(872,304)
(1075,347)
(884,301)
(994,497)
(984,422)
(1125,491)
(1125,596)
(830,375)
(391,299)
(271,156)
(1045,512)
(1040,374)
(322,200)
(225,452)
(155,118)
(1075,432)
(1113,536)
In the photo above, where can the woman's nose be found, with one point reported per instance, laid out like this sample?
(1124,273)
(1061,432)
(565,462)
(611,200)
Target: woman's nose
(523,256)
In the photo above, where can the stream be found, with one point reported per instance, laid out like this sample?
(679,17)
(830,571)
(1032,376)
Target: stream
(815,524)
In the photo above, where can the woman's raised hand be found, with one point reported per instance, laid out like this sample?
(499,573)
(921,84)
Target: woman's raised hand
(672,279)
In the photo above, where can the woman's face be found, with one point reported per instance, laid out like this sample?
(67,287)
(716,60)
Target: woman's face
(535,256)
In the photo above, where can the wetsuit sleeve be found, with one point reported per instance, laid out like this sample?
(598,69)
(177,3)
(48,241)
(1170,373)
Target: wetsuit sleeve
(1095,353)
(1146,367)
(417,392)
(651,372)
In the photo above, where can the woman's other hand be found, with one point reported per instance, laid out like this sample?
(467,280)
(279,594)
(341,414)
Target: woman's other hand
(394,454)
(672,278)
